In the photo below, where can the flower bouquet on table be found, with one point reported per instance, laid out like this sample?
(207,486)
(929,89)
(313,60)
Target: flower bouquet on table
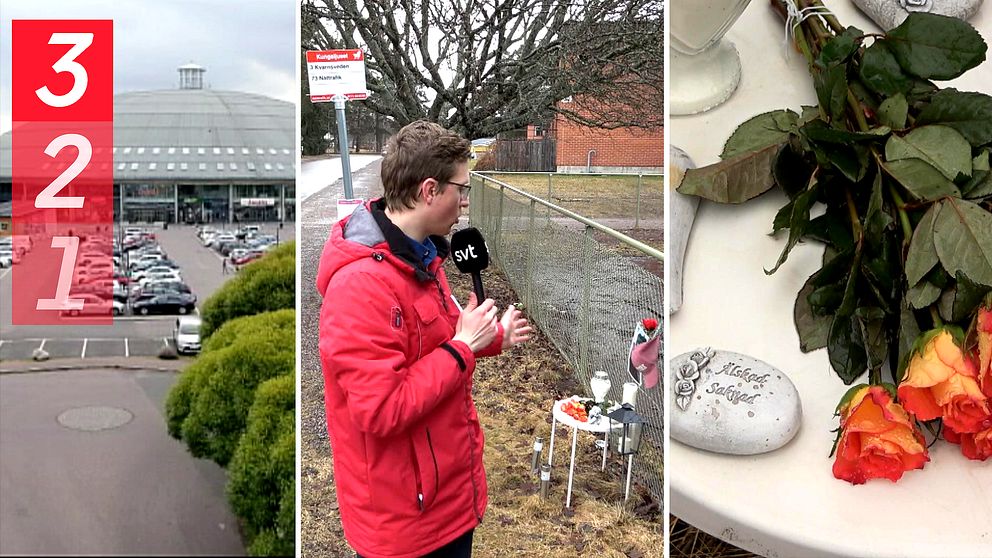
(898,172)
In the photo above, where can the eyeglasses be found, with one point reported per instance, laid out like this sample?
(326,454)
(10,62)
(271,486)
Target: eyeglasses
(462,188)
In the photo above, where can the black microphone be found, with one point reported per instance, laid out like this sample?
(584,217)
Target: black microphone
(471,256)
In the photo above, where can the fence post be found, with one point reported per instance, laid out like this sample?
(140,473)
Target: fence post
(637,213)
(531,241)
(586,320)
(549,198)
(483,214)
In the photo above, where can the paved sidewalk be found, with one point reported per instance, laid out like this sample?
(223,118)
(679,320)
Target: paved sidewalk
(87,467)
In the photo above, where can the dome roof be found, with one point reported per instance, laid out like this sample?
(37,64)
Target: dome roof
(197,135)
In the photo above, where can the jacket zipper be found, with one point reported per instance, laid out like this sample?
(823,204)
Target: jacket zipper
(437,474)
(416,475)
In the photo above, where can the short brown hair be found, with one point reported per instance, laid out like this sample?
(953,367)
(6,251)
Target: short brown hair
(418,151)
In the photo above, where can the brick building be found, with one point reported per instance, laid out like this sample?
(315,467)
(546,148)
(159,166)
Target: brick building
(582,148)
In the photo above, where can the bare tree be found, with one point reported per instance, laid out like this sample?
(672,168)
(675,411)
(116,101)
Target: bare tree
(486,66)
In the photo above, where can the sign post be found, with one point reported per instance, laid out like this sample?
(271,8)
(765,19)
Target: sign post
(339,101)
(338,75)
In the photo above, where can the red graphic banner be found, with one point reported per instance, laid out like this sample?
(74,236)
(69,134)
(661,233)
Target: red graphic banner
(62,172)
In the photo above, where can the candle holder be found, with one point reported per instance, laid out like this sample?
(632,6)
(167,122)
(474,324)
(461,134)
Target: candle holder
(705,70)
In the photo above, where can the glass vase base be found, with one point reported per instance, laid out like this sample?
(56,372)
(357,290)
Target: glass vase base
(703,81)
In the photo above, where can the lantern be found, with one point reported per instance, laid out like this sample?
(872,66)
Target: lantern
(625,433)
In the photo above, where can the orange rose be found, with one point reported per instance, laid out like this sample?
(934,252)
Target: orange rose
(941,382)
(985,350)
(974,446)
(878,439)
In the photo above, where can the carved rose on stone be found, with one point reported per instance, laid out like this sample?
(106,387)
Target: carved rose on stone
(688,374)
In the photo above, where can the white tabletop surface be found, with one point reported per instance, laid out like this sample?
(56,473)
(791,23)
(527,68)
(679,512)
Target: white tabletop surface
(601,427)
(787,503)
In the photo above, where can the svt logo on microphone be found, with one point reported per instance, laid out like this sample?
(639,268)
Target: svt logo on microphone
(466,254)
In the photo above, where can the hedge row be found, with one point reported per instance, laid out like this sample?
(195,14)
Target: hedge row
(264,285)
(235,404)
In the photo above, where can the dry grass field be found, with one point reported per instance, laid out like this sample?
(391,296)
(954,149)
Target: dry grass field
(595,196)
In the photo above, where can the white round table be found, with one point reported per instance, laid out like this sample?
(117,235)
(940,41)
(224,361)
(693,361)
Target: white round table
(787,503)
(601,427)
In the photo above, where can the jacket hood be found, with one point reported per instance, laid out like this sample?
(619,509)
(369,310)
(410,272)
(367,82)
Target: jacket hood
(368,233)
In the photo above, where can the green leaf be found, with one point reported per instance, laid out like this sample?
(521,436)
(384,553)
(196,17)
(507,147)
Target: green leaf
(832,228)
(798,221)
(961,300)
(922,294)
(819,131)
(839,48)
(831,91)
(791,171)
(873,335)
(922,255)
(812,329)
(826,300)
(968,113)
(881,71)
(963,238)
(876,219)
(851,160)
(759,132)
(734,180)
(979,187)
(941,146)
(921,179)
(936,47)
(909,332)
(981,161)
(844,348)
(893,112)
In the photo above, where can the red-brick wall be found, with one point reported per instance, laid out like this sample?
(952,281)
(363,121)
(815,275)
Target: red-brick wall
(621,147)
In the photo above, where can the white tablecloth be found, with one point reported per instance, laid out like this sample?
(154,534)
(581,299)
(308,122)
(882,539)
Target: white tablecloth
(787,503)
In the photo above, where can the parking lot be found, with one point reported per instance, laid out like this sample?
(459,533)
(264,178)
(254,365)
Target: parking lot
(139,336)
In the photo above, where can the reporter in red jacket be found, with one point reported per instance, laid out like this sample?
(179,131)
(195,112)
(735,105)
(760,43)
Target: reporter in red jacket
(398,358)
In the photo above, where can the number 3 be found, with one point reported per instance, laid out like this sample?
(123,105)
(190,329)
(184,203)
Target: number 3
(67,63)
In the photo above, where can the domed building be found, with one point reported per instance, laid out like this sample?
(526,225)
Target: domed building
(197,155)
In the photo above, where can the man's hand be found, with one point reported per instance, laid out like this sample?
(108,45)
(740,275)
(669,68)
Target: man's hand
(515,327)
(476,325)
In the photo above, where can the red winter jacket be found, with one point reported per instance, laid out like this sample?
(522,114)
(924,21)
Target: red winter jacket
(404,432)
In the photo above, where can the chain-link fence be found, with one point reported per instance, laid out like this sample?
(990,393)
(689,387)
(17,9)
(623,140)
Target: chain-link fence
(638,199)
(587,297)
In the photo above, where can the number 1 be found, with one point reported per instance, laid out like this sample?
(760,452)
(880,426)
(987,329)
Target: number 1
(70,245)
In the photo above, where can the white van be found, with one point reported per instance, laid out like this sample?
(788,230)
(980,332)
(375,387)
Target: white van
(186,334)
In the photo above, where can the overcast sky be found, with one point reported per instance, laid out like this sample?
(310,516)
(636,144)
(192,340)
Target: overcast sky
(245,45)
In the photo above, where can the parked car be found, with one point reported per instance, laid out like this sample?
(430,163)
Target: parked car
(6,258)
(95,305)
(246,257)
(164,287)
(186,334)
(164,304)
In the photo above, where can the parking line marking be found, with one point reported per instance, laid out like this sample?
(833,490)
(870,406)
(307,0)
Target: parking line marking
(166,341)
(5,272)
(127,351)
(83,354)
(42,346)
(1,342)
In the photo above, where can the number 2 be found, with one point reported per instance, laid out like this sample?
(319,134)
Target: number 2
(80,42)
(46,198)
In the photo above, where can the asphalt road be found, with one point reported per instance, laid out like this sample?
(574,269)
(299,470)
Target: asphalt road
(87,467)
(129,336)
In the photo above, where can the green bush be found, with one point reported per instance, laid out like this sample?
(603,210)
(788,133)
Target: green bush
(183,394)
(266,284)
(219,411)
(250,326)
(262,487)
